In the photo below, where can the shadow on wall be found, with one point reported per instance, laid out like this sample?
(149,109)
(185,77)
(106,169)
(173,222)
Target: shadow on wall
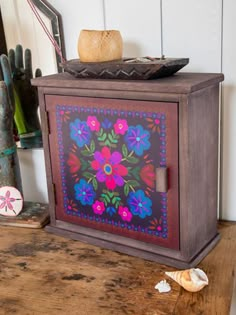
(33,175)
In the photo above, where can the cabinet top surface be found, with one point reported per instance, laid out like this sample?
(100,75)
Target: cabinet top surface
(181,83)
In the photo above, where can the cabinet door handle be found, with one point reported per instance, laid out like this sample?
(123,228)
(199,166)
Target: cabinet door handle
(161,179)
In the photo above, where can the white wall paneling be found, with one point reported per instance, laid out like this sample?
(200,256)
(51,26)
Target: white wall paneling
(78,15)
(22,27)
(193,29)
(139,24)
(228,204)
(9,20)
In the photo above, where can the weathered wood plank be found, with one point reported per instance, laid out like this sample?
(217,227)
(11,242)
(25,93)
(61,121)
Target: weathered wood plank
(219,266)
(42,273)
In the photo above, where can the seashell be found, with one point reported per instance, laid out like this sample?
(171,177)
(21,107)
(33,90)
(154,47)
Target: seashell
(163,286)
(11,201)
(192,280)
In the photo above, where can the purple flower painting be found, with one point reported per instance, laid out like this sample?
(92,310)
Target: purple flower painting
(108,168)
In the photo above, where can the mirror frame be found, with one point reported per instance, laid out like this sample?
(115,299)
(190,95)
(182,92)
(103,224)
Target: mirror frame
(57,28)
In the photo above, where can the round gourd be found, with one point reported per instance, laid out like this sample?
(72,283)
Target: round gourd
(100,46)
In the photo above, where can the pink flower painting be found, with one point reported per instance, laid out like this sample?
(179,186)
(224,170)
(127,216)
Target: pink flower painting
(125,214)
(6,201)
(98,207)
(120,126)
(93,123)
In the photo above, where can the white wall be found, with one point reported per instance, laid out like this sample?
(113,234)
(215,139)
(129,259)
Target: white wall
(140,31)
(33,175)
(228,204)
(193,29)
(77,15)
(202,30)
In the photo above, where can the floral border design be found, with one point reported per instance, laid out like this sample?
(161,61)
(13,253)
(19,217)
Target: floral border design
(102,164)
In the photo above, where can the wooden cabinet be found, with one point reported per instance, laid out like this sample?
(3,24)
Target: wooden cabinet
(132,165)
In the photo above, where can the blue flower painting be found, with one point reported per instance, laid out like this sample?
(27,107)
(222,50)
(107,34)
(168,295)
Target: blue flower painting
(84,192)
(80,132)
(139,204)
(137,139)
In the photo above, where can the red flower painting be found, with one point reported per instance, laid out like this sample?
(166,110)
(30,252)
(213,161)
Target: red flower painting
(74,163)
(148,175)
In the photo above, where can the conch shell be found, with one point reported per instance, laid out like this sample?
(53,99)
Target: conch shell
(192,280)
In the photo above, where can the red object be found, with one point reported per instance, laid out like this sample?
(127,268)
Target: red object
(147,174)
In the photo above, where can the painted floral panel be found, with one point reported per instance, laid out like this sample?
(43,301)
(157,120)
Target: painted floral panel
(107,161)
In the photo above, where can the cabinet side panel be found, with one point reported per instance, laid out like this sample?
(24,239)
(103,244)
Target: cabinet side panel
(198,161)
(47,156)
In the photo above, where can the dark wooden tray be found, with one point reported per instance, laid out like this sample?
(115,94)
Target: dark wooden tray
(125,69)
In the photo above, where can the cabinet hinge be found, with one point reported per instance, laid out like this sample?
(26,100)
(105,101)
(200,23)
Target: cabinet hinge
(54,192)
(46,122)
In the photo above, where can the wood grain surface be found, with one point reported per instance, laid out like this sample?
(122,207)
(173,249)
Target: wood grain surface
(45,274)
(194,204)
(181,82)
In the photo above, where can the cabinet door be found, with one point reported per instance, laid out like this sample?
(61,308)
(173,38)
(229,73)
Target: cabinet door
(105,154)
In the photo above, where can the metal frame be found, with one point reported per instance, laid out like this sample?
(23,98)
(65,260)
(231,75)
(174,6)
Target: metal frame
(57,29)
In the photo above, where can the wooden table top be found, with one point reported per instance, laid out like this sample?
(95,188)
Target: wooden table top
(45,274)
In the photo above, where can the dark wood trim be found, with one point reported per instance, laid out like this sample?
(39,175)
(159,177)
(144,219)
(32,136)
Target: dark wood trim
(118,239)
(48,164)
(171,260)
(181,83)
(129,95)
